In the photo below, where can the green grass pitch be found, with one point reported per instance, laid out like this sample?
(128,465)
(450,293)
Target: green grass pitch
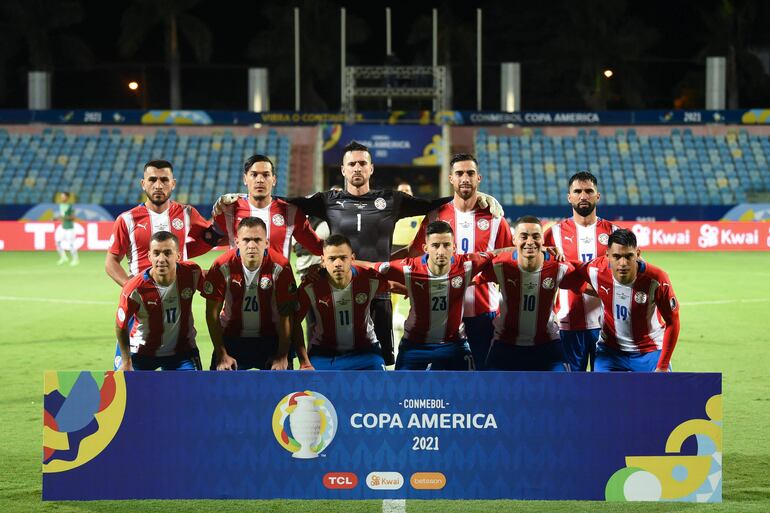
(62,318)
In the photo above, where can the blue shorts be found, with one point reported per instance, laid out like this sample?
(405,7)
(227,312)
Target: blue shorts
(250,353)
(579,348)
(609,359)
(356,360)
(448,356)
(480,331)
(542,357)
(190,361)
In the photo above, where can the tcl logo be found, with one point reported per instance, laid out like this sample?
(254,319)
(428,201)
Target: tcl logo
(340,480)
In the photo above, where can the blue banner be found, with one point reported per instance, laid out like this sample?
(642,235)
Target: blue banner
(375,435)
(389,145)
(422,117)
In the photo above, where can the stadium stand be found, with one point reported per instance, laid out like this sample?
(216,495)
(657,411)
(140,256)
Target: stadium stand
(676,167)
(102,167)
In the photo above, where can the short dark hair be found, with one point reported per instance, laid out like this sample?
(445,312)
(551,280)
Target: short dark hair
(163,236)
(160,164)
(439,227)
(582,176)
(337,239)
(622,237)
(257,158)
(462,157)
(527,219)
(356,146)
(252,222)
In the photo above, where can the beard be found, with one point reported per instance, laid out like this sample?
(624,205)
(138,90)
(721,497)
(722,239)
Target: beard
(584,210)
(158,202)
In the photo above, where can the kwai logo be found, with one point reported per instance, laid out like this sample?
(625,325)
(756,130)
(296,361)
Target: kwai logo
(311,427)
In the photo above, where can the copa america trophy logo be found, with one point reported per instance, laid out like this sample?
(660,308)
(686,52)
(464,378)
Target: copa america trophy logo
(312,423)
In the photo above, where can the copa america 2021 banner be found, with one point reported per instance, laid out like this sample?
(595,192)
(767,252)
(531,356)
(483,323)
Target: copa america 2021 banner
(377,435)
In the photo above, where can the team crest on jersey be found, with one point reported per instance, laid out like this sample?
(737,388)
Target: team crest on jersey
(361,298)
(208,288)
(380,203)
(457,282)
(121,314)
(482,224)
(265,283)
(548,283)
(177,224)
(187,293)
(640,297)
(603,238)
(278,220)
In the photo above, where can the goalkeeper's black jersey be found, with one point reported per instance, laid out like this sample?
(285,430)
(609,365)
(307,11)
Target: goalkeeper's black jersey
(367,220)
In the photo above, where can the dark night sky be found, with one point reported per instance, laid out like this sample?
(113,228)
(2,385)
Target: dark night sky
(670,64)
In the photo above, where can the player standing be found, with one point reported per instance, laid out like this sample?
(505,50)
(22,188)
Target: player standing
(66,236)
(343,336)
(641,312)
(476,230)
(159,302)
(250,299)
(581,238)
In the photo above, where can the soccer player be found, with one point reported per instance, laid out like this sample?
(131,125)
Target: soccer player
(159,302)
(526,331)
(343,336)
(283,220)
(641,312)
(476,230)
(367,217)
(66,236)
(581,238)
(434,334)
(133,229)
(250,298)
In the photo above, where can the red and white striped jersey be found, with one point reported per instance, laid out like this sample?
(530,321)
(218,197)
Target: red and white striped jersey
(579,243)
(283,221)
(251,299)
(475,231)
(637,317)
(436,302)
(527,317)
(163,319)
(133,229)
(343,321)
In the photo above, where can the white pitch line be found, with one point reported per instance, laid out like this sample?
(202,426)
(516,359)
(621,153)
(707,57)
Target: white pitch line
(52,300)
(394,506)
(728,301)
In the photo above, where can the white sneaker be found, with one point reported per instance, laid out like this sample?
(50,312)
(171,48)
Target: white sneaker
(62,260)
(74,262)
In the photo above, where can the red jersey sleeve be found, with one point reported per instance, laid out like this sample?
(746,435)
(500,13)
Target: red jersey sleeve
(504,237)
(286,289)
(487,274)
(573,279)
(548,238)
(214,284)
(479,261)
(416,246)
(127,307)
(392,271)
(668,306)
(119,242)
(303,303)
(305,234)
(204,235)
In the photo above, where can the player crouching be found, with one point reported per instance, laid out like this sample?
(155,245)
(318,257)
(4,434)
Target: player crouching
(154,322)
